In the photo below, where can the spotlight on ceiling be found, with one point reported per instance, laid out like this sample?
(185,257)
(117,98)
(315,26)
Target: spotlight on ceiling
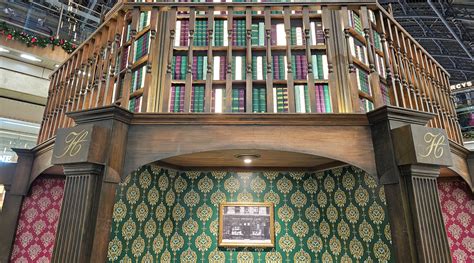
(247,158)
(4,50)
(30,57)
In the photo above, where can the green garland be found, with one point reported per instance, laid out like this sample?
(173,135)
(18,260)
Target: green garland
(30,40)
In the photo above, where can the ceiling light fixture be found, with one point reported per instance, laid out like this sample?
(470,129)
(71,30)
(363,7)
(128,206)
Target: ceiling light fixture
(247,158)
(4,50)
(30,57)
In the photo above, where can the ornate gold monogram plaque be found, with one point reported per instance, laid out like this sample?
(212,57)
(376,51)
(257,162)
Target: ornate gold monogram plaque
(415,144)
(84,143)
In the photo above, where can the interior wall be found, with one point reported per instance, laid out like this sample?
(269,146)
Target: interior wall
(38,221)
(163,215)
(457,204)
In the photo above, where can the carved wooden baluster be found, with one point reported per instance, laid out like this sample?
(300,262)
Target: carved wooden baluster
(307,36)
(290,77)
(165,106)
(408,70)
(393,56)
(269,79)
(354,89)
(386,58)
(248,59)
(189,76)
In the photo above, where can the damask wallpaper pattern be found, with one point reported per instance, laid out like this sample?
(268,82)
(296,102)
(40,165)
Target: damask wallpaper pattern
(163,215)
(457,204)
(39,215)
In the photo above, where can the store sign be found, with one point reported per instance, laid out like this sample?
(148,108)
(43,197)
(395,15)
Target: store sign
(463,85)
(83,143)
(7,158)
(415,144)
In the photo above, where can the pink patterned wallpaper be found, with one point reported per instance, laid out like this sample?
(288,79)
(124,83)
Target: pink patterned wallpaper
(38,221)
(457,203)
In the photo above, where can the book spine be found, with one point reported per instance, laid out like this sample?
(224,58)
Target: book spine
(194,69)
(261,34)
(312,27)
(177,37)
(225,35)
(297,99)
(276,70)
(306,99)
(319,33)
(293,66)
(327,98)
(218,99)
(299,36)
(254,34)
(260,68)
(285,67)
(235,100)
(255,100)
(262,99)
(273,35)
(223,68)
(280,35)
(216,68)
(304,67)
(181,99)
(241,100)
(298,67)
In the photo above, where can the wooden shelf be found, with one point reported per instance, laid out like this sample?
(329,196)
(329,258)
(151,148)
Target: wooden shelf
(142,32)
(137,93)
(356,35)
(139,62)
(360,64)
(365,96)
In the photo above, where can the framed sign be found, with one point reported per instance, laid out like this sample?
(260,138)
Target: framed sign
(246,225)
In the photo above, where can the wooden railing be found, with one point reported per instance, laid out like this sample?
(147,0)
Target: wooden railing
(350,56)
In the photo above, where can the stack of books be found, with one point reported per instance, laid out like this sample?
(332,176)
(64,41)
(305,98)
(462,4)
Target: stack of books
(177,98)
(238,33)
(356,22)
(135,104)
(280,68)
(302,99)
(316,33)
(124,58)
(144,20)
(363,81)
(238,100)
(141,46)
(280,99)
(299,65)
(278,35)
(179,66)
(323,99)
(358,50)
(320,66)
(239,67)
(197,101)
(219,68)
(181,37)
(217,101)
(259,100)
(199,67)
(220,33)
(259,67)
(380,65)
(138,79)
(366,105)
(377,40)
(258,34)
(200,33)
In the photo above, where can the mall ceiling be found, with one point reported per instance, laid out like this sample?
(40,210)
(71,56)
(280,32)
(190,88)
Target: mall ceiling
(445,28)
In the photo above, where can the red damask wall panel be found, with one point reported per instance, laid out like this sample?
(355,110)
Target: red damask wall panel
(457,203)
(38,221)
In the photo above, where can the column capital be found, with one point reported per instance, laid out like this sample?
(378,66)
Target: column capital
(82,168)
(397,116)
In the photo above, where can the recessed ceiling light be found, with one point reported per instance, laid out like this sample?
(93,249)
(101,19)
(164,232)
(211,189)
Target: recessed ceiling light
(30,57)
(4,50)
(57,66)
(247,158)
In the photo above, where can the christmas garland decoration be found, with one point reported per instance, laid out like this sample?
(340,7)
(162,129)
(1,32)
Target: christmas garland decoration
(31,40)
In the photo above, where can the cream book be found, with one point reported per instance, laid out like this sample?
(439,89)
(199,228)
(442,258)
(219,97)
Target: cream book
(299,36)
(260,68)
(218,93)
(216,68)
(280,35)
(177,35)
(226,34)
(238,68)
(312,27)
(325,67)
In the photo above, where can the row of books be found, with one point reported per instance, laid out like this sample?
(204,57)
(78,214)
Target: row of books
(280,99)
(142,45)
(259,69)
(259,100)
(363,81)
(356,22)
(299,65)
(177,98)
(200,33)
(366,105)
(134,104)
(239,68)
(138,79)
(380,65)
(144,20)
(358,50)
(197,100)
(238,33)
(123,59)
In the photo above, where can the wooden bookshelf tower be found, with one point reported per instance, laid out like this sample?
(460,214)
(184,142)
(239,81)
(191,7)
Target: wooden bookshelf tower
(341,81)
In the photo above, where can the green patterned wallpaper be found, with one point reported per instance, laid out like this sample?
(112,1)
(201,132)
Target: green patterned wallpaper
(162,215)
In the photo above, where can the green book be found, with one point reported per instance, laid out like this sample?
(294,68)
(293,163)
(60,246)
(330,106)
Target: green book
(254,67)
(173,66)
(184,66)
(254,34)
(176,98)
(255,100)
(262,100)
(261,34)
(306,99)
(235,100)
(319,59)
(293,35)
(281,63)
(314,62)
(327,99)
(293,66)
(199,67)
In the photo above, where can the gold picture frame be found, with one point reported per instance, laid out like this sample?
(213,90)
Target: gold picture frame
(246,224)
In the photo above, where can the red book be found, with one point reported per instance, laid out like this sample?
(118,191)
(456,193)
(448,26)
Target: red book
(177,68)
(194,69)
(172,98)
(304,67)
(276,68)
(241,100)
(223,67)
(273,35)
(181,99)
